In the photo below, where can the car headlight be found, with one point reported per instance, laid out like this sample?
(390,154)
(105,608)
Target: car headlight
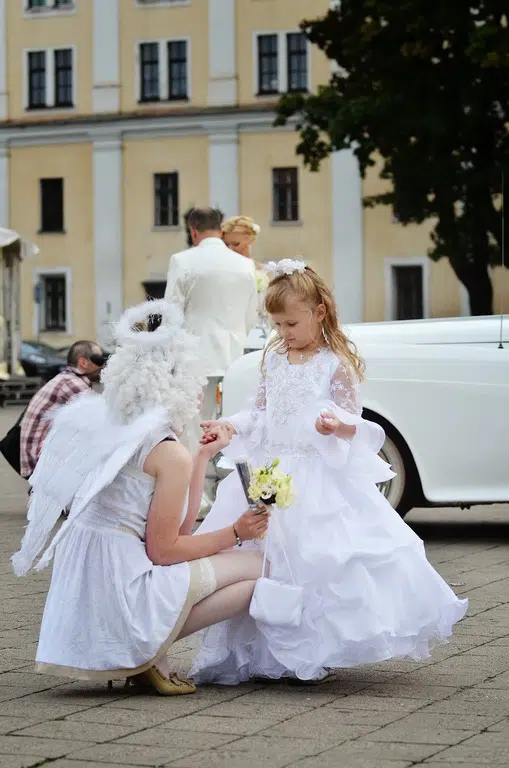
(36,359)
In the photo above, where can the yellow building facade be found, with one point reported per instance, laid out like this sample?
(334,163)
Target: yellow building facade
(118,115)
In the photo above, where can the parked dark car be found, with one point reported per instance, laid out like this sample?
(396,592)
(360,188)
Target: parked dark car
(41,360)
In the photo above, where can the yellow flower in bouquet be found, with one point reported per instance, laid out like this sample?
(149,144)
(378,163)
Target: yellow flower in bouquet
(262,280)
(271,486)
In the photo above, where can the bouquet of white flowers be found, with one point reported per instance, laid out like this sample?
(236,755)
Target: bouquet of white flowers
(266,485)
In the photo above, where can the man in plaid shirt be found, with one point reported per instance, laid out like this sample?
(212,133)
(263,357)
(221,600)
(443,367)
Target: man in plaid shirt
(84,363)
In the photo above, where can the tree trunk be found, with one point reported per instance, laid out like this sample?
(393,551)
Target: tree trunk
(476,279)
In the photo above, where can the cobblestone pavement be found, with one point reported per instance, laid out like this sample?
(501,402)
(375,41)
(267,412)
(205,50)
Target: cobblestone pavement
(451,711)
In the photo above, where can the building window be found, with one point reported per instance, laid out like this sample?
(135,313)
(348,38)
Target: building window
(282,63)
(297,62)
(154,289)
(49,5)
(149,71)
(52,205)
(37,79)
(50,75)
(166,199)
(268,64)
(63,78)
(177,69)
(164,70)
(407,292)
(285,194)
(53,306)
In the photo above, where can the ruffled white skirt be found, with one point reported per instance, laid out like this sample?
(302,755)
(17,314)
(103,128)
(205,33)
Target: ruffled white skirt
(369,592)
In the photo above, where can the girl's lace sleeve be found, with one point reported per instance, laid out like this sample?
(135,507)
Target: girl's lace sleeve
(344,389)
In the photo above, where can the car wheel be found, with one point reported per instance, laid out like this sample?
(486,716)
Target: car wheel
(401,491)
(394,489)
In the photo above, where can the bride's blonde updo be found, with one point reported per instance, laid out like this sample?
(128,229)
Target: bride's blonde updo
(243,225)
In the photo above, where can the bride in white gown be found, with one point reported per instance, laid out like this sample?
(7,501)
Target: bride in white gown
(369,592)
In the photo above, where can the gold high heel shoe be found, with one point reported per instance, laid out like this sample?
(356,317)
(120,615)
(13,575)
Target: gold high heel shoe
(164,686)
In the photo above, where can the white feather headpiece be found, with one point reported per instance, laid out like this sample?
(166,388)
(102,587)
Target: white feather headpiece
(151,368)
(152,383)
(285,267)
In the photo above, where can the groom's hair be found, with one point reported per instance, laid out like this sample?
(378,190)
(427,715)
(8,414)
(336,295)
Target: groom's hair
(205,219)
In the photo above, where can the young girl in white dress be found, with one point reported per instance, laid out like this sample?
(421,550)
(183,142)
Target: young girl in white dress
(369,592)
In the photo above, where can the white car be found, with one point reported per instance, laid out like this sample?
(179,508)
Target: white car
(440,390)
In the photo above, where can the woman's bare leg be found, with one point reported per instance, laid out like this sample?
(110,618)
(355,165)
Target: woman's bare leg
(221,605)
(236,574)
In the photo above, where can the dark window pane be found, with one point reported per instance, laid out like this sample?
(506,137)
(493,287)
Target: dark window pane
(36,4)
(285,194)
(177,69)
(408,292)
(63,78)
(52,205)
(166,199)
(63,3)
(149,71)
(154,289)
(268,74)
(54,315)
(297,62)
(37,79)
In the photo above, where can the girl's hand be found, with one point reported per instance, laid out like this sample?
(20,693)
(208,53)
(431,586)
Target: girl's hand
(217,438)
(252,524)
(209,428)
(328,424)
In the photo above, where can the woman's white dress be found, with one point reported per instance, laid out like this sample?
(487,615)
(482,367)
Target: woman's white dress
(369,592)
(111,611)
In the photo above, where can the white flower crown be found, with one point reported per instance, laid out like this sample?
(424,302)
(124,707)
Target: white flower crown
(285,267)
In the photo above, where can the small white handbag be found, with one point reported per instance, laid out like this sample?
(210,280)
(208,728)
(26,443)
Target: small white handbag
(275,602)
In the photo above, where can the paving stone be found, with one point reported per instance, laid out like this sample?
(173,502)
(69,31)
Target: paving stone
(400,733)
(229,725)
(377,750)
(330,759)
(129,754)
(162,736)
(117,716)
(66,729)
(28,745)
(22,761)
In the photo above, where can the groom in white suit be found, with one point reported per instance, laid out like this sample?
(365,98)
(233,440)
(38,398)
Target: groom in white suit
(216,289)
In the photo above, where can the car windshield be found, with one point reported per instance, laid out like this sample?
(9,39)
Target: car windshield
(31,347)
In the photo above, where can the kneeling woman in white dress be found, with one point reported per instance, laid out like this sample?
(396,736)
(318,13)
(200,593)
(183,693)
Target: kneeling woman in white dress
(128,577)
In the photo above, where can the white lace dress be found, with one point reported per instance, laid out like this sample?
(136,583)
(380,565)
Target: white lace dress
(369,592)
(110,612)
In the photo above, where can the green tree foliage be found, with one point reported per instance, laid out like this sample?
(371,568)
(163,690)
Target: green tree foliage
(423,87)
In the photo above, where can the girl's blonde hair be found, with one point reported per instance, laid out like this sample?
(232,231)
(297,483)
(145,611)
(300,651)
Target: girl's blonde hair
(309,287)
(244,225)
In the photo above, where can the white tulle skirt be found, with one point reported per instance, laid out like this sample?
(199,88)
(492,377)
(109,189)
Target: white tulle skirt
(369,592)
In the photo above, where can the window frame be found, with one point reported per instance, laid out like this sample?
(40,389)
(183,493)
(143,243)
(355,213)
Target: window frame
(48,9)
(163,74)
(50,83)
(42,230)
(390,265)
(293,204)
(175,222)
(39,274)
(282,63)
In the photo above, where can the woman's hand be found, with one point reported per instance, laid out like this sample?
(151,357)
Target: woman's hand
(215,439)
(209,428)
(252,524)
